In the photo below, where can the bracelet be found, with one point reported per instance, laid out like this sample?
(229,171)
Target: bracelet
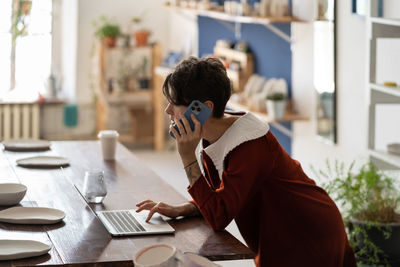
(190,164)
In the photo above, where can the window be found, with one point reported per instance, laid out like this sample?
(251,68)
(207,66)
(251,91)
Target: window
(25,64)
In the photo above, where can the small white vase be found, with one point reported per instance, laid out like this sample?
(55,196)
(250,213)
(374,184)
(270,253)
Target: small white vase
(276,109)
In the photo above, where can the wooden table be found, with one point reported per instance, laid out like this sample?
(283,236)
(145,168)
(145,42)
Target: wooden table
(81,239)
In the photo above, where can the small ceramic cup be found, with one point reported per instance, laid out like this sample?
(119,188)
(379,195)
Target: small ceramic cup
(160,255)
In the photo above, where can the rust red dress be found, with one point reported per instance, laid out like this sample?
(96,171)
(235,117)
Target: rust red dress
(283,216)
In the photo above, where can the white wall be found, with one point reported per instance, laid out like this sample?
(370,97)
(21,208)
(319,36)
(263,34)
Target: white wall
(183,33)
(69,40)
(391,9)
(122,11)
(351,93)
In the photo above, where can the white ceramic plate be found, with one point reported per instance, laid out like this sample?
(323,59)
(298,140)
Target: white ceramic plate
(26,144)
(192,259)
(43,161)
(18,249)
(11,194)
(31,215)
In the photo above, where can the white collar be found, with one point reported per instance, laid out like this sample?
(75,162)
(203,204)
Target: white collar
(247,127)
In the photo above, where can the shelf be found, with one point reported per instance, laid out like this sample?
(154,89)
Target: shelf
(393,91)
(232,18)
(225,17)
(131,47)
(134,98)
(392,22)
(386,157)
(289,115)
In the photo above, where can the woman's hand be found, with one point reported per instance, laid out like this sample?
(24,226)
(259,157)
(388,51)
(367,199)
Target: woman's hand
(187,209)
(187,140)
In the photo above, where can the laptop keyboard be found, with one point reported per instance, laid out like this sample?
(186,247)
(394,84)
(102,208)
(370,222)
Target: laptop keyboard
(123,221)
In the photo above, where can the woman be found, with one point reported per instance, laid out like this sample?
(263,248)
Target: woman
(238,170)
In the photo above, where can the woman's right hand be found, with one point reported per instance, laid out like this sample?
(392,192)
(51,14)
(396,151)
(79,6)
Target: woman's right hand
(186,139)
(166,209)
(160,207)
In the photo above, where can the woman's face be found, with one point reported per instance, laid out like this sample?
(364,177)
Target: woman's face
(174,111)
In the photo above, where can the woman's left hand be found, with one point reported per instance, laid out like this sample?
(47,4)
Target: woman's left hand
(187,140)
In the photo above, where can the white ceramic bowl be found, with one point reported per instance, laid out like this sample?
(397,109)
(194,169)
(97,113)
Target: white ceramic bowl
(11,194)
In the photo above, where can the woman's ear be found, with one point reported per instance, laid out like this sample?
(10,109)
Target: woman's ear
(209,104)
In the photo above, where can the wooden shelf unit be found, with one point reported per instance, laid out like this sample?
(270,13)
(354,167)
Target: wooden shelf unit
(238,77)
(140,105)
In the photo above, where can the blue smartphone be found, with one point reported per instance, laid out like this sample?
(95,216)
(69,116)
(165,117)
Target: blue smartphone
(199,110)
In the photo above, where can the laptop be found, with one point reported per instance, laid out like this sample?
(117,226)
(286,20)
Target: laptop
(129,222)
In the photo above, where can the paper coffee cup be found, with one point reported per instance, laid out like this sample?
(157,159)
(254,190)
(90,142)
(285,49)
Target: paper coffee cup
(108,140)
(161,255)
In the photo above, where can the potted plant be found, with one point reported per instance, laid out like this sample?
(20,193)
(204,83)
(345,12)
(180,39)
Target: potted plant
(276,105)
(141,35)
(143,78)
(368,200)
(107,31)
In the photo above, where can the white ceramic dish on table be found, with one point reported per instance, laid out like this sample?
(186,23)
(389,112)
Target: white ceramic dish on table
(31,215)
(19,249)
(11,193)
(193,260)
(164,255)
(26,145)
(43,162)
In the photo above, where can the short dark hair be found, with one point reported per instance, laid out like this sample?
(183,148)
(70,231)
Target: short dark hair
(199,79)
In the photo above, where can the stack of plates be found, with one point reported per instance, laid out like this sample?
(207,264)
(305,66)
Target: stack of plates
(26,145)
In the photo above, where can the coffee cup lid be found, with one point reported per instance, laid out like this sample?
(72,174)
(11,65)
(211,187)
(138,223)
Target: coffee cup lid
(108,134)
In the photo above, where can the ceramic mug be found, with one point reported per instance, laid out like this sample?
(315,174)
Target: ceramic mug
(160,255)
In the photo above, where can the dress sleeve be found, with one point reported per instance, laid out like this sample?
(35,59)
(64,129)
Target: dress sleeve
(247,166)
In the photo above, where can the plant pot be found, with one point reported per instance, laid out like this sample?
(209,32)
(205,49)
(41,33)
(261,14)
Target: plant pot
(26,7)
(144,83)
(276,109)
(110,41)
(141,38)
(389,246)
